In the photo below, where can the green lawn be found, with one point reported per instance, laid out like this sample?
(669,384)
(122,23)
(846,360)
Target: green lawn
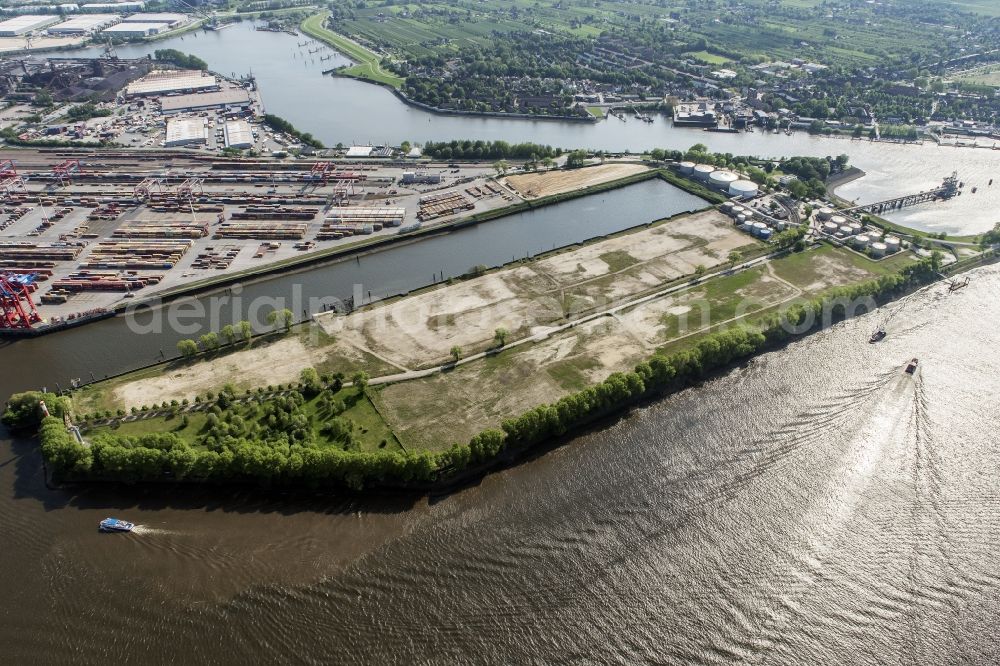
(596,111)
(368,63)
(709,58)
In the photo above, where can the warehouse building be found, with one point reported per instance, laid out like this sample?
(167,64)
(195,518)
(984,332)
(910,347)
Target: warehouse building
(84,25)
(162,82)
(231,99)
(169,20)
(238,134)
(135,29)
(112,7)
(21,25)
(186,132)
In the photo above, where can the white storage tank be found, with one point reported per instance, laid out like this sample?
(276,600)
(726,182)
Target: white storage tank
(824,214)
(780,226)
(723,179)
(759,228)
(746,226)
(765,233)
(875,235)
(839,220)
(892,244)
(686,167)
(741,218)
(703,171)
(878,249)
(743,188)
(739,210)
(844,231)
(861,241)
(855,228)
(727,207)
(830,228)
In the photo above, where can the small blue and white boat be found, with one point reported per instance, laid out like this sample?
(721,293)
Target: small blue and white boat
(116,525)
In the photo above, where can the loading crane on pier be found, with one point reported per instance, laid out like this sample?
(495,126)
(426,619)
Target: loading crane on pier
(17,309)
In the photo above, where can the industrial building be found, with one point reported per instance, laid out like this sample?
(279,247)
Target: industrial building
(82,25)
(186,132)
(20,25)
(359,151)
(171,81)
(170,20)
(135,29)
(112,7)
(412,178)
(238,134)
(231,99)
(695,114)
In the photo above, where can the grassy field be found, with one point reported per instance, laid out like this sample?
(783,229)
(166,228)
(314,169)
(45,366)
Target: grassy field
(368,65)
(710,58)
(370,430)
(596,111)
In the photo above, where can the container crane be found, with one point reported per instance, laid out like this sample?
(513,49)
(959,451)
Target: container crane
(17,309)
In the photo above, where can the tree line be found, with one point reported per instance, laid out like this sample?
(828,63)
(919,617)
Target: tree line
(488,150)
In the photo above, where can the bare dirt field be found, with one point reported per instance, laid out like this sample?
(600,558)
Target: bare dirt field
(421,330)
(535,185)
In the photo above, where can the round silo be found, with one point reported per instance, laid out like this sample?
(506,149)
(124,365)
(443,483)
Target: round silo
(686,168)
(743,188)
(892,244)
(722,179)
(703,171)
(878,249)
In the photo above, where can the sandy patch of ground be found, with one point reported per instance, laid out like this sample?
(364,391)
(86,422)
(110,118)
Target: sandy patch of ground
(420,330)
(276,363)
(547,183)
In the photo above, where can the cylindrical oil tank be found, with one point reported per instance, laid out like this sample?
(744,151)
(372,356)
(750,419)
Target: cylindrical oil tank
(743,188)
(727,207)
(741,218)
(892,244)
(723,179)
(824,214)
(779,226)
(686,167)
(703,171)
(739,210)
(878,249)
(844,231)
(830,228)
(765,233)
(839,220)
(855,228)
(758,228)
(861,241)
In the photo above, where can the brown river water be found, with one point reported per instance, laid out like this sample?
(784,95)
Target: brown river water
(813,506)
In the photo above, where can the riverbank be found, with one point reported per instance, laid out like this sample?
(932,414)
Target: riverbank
(368,68)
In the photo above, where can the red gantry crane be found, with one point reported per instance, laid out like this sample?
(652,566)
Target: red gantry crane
(65,171)
(17,309)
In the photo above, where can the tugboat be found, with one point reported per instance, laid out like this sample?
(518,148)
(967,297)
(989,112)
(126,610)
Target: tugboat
(116,525)
(877,336)
(911,367)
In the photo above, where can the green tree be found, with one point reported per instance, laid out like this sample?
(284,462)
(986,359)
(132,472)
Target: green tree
(360,381)
(246,330)
(500,336)
(229,333)
(209,341)
(281,319)
(735,257)
(187,347)
(576,159)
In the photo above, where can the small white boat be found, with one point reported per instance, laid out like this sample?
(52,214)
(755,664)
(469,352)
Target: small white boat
(116,525)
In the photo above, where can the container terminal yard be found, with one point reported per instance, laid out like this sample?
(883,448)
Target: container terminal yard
(82,233)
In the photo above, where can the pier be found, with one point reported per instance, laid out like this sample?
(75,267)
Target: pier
(949,188)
